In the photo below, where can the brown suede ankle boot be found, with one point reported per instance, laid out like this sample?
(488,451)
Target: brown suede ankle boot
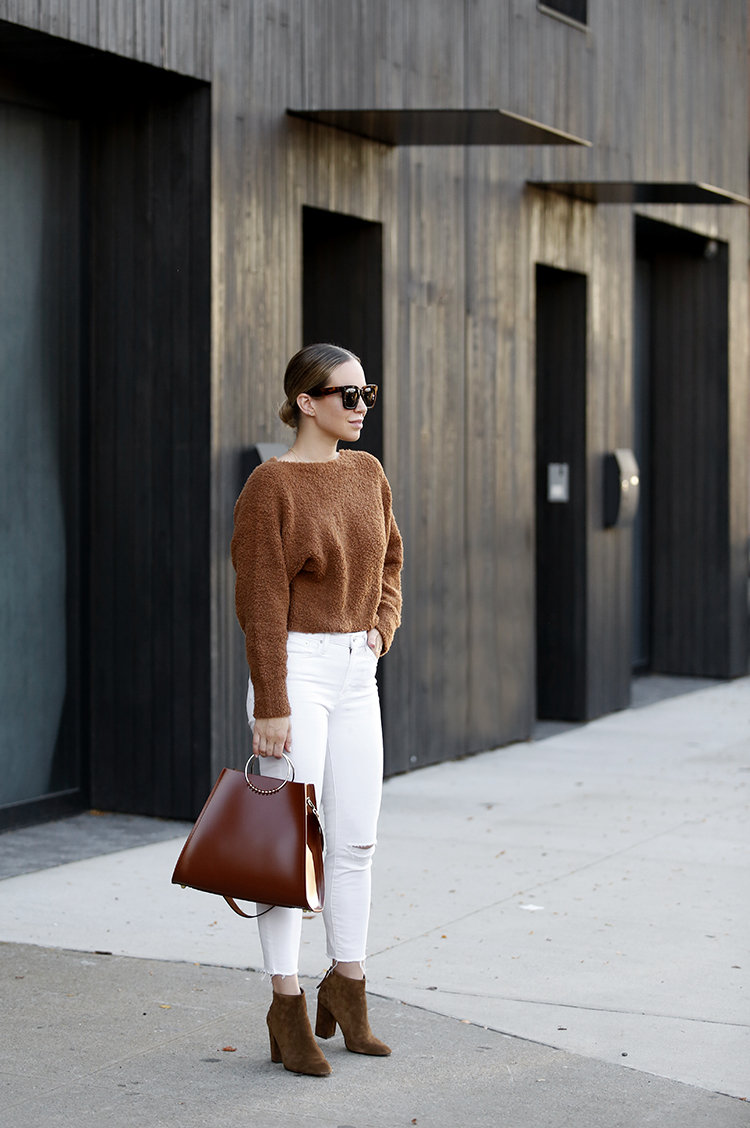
(291,1036)
(343,1000)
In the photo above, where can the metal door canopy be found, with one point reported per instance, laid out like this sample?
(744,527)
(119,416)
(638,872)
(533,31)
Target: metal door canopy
(641,192)
(442,127)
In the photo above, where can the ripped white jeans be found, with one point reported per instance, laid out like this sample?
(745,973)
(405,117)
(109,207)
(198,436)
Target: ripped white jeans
(337,744)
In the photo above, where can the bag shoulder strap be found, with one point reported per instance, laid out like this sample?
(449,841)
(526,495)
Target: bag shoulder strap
(248,916)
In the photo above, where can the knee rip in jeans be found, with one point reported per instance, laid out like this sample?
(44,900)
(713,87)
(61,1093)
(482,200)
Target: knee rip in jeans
(362,851)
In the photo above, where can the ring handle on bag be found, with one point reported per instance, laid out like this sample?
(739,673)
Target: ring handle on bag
(272,791)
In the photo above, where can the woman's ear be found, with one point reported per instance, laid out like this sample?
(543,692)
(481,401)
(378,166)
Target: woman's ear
(305,404)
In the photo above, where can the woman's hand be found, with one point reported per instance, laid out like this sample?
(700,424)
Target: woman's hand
(375,641)
(272,736)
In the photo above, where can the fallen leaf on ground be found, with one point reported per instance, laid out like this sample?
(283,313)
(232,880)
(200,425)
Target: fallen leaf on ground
(229,1049)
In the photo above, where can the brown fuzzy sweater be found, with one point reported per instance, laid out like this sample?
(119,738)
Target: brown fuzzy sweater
(316,549)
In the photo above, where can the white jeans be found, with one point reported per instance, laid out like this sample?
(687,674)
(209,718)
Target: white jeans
(337,744)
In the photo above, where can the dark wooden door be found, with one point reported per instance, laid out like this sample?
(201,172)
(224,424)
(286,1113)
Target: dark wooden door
(560,520)
(698,622)
(150,473)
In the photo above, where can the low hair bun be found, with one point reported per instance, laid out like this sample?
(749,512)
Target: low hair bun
(289,414)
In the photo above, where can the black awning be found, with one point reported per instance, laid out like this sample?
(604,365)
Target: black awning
(641,192)
(441,127)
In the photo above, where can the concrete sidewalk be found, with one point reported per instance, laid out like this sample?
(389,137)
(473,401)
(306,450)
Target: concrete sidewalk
(109,1040)
(586,895)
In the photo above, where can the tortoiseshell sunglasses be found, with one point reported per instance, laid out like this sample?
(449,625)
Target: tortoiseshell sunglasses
(350,394)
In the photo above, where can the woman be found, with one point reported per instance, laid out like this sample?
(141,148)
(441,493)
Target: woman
(318,560)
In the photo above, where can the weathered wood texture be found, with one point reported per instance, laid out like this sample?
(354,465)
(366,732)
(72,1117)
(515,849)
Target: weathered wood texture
(662,91)
(461,240)
(175,34)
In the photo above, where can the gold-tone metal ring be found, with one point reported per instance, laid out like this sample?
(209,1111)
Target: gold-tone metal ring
(274,790)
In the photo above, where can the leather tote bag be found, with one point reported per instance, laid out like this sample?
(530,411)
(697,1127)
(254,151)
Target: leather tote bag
(258,839)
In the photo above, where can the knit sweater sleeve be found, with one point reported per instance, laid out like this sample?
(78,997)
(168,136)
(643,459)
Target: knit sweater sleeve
(262,590)
(389,610)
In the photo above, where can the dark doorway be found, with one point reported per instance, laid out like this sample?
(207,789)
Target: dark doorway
(106,419)
(40,457)
(149,451)
(561,494)
(342,300)
(684,586)
(342,303)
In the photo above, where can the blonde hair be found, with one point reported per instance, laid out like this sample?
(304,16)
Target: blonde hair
(307,370)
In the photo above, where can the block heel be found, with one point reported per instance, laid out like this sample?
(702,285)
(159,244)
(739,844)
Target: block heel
(325,1023)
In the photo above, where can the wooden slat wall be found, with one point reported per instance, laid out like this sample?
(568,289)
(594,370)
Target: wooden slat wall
(175,34)
(499,444)
(660,88)
(431,462)
(609,426)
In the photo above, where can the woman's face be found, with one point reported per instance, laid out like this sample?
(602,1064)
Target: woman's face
(329,413)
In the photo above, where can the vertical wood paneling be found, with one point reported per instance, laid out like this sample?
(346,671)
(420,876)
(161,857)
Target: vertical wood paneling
(590,83)
(610,425)
(183,36)
(434,285)
(662,90)
(175,34)
(499,449)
